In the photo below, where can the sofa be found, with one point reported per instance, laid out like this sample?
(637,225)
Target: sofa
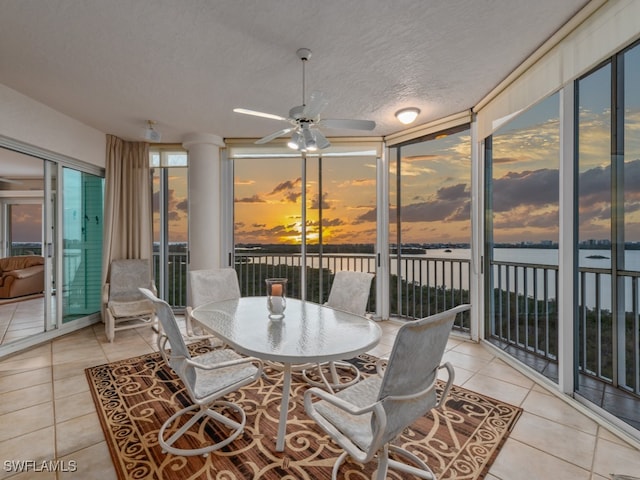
(21,275)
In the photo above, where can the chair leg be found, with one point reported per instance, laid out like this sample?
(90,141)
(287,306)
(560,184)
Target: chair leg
(109,326)
(422,472)
(236,427)
(336,466)
(334,382)
(383,463)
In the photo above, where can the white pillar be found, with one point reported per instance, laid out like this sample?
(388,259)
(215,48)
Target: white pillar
(567,260)
(205,203)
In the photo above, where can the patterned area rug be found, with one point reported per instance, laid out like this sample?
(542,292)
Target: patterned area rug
(134,397)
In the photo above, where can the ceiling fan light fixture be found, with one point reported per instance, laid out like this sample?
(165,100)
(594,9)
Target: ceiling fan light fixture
(407,115)
(309,140)
(294,142)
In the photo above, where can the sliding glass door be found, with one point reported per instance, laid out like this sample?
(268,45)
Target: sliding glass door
(82,226)
(51,210)
(22,185)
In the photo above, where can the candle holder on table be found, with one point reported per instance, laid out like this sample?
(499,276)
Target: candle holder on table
(276,296)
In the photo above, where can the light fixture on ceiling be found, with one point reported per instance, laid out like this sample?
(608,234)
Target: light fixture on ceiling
(407,115)
(304,140)
(309,139)
(151,133)
(294,143)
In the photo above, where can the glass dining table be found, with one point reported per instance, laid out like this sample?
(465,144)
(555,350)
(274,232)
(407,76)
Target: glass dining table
(308,333)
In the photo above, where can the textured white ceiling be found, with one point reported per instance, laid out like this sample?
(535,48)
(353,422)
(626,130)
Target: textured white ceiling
(113,64)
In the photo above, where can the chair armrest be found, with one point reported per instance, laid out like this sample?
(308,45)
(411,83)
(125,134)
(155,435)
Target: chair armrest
(229,363)
(447,388)
(337,402)
(378,416)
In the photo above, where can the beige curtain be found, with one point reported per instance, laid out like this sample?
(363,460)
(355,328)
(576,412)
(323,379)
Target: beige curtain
(128,214)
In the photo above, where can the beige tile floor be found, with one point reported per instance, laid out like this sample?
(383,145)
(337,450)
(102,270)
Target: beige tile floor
(21,319)
(46,412)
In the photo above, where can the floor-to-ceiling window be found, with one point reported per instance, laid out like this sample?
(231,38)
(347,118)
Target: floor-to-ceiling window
(170,223)
(330,196)
(430,224)
(608,201)
(268,222)
(522,236)
(342,204)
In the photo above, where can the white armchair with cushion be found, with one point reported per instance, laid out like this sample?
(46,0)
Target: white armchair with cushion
(124,306)
(350,293)
(211,285)
(207,378)
(365,418)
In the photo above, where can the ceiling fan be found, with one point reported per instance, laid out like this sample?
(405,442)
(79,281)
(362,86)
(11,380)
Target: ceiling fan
(305,119)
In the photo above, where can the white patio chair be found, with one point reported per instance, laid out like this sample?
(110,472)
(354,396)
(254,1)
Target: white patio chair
(366,417)
(211,285)
(207,378)
(350,293)
(124,306)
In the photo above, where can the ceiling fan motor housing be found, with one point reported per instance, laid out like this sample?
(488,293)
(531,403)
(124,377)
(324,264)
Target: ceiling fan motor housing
(297,112)
(303,53)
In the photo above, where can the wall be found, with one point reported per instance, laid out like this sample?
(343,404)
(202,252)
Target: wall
(610,28)
(31,122)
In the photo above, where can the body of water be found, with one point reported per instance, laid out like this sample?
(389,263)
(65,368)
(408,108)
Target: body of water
(450,268)
(597,286)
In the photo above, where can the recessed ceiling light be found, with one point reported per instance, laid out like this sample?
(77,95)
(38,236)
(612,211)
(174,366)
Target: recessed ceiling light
(407,115)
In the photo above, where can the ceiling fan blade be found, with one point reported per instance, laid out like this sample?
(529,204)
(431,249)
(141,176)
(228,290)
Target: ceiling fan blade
(346,124)
(259,114)
(317,102)
(321,140)
(268,138)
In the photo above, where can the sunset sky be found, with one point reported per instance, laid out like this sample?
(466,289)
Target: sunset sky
(268,200)
(435,182)
(435,188)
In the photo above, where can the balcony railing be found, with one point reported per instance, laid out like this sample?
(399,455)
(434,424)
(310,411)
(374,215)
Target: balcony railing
(524,302)
(426,285)
(525,313)
(524,321)
(422,286)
